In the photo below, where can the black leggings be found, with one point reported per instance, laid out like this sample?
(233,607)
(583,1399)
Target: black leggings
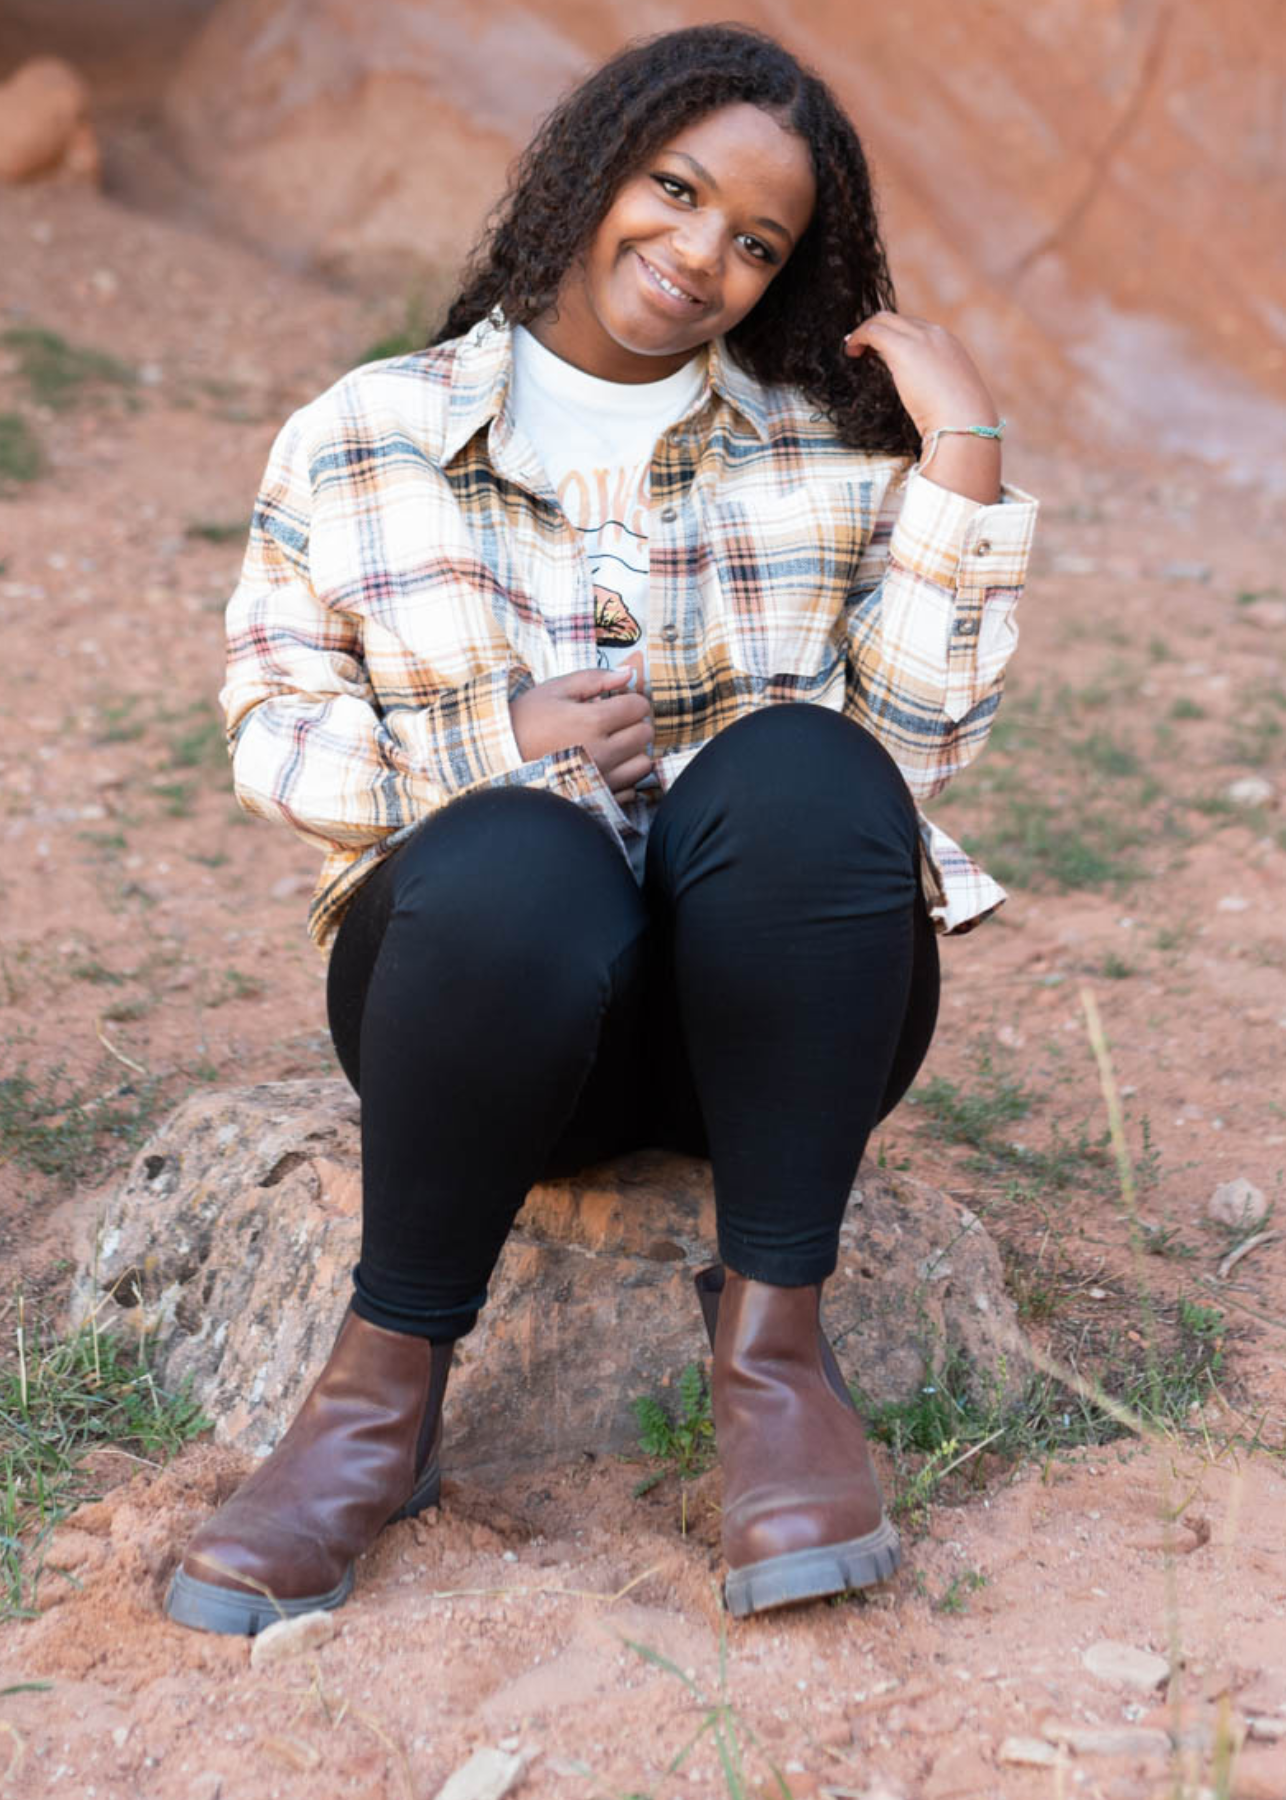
(511,1006)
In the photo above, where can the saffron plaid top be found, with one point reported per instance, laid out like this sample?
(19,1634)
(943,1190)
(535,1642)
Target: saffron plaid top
(409,571)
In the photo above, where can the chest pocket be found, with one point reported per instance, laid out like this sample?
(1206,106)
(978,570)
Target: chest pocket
(783,564)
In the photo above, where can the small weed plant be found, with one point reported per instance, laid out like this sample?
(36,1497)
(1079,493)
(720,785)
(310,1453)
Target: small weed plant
(682,1441)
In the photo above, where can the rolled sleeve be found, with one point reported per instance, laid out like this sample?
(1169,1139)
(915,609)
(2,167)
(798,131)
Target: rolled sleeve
(962,566)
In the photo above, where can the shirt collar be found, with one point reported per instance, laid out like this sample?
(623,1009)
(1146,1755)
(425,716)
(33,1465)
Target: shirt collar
(484,367)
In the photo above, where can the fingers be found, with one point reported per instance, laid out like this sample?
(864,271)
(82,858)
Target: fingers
(623,778)
(621,712)
(621,745)
(889,325)
(588,684)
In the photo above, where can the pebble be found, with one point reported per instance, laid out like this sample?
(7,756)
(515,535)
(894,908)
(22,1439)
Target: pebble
(289,885)
(488,1775)
(1269,1731)
(1232,903)
(1185,571)
(1125,1666)
(295,1752)
(1237,1203)
(292,1637)
(1109,1740)
(1029,1752)
(1249,790)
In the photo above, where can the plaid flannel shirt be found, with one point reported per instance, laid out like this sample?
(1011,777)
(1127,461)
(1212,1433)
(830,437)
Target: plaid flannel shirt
(410,571)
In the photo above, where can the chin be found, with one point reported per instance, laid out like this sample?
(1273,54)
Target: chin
(647,337)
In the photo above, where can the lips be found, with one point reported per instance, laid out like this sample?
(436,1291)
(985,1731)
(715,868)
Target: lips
(666,287)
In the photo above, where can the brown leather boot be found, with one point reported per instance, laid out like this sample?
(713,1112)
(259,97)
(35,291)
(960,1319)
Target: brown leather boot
(802,1514)
(362,1451)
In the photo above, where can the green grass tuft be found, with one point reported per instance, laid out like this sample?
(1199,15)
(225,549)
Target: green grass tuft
(59,374)
(955,1415)
(981,1118)
(55,1129)
(219,531)
(62,1400)
(21,458)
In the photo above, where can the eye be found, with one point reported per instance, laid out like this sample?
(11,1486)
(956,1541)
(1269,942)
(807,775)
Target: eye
(671,185)
(759,250)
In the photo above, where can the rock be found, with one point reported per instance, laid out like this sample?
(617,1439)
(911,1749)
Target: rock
(1125,1666)
(292,1637)
(1027,1752)
(1109,1740)
(1237,1203)
(1249,790)
(44,124)
(231,1242)
(488,1775)
(368,132)
(1269,615)
(1185,571)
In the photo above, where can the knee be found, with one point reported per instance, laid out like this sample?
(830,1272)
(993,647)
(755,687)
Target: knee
(800,774)
(506,868)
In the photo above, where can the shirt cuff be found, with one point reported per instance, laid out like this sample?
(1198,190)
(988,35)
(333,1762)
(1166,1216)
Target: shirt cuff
(464,739)
(940,534)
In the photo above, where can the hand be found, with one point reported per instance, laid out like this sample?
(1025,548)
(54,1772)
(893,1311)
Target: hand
(592,709)
(934,375)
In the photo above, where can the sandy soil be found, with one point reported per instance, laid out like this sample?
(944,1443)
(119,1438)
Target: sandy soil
(153,938)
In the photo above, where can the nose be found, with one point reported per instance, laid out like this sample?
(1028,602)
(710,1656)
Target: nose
(698,243)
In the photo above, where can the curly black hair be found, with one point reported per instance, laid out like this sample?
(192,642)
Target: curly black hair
(562,186)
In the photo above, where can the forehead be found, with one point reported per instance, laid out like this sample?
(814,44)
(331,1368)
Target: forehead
(752,159)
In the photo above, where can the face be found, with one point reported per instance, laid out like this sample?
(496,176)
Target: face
(688,246)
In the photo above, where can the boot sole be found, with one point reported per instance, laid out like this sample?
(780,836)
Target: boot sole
(813,1574)
(205,1606)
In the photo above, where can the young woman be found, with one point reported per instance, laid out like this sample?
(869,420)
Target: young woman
(605,648)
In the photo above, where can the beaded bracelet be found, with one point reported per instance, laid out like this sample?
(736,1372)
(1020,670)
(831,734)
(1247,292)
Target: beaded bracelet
(986,431)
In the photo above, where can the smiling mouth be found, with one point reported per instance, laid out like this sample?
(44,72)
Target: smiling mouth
(666,285)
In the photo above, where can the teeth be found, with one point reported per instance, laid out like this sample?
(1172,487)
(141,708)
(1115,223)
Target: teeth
(669,286)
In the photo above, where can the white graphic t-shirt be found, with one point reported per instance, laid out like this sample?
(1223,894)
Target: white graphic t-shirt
(595,439)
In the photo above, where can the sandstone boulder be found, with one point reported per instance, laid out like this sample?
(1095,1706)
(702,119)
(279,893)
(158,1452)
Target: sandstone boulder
(45,128)
(1066,187)
(230,1243)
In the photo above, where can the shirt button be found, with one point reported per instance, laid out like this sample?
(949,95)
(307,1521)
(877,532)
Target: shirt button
(982,547)
(670,633)
(669,515)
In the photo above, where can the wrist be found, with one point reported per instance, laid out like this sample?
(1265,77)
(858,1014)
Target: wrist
(966,412)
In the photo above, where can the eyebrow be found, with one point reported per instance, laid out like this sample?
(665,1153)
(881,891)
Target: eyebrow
(705,175)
